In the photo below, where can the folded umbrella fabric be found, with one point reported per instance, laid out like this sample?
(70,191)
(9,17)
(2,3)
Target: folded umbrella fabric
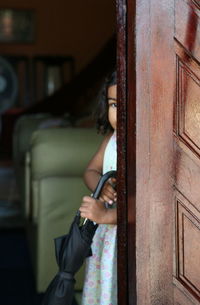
(71,251)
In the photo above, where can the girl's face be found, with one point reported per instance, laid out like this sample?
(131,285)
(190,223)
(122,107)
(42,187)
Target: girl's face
(112,106)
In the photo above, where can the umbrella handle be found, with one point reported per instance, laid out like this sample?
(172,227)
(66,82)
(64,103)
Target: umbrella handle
(102,181)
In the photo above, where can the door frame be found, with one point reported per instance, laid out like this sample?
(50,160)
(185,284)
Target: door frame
(145,44)
(126,92)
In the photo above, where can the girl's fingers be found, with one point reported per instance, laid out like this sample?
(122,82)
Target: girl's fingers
(109,194)
(87,199)
(83,206)
(86,211)
(108,199)
(109,188)
(84,215)
(88,204)
(82,209)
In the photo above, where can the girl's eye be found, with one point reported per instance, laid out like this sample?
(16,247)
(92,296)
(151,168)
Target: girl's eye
(113,105)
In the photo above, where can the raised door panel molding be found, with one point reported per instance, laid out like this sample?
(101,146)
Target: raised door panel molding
(189,106)
(196,2)
(187,173)
(187,245)
(187,25)
(187,121)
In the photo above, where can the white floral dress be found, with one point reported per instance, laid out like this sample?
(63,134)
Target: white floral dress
(100,286)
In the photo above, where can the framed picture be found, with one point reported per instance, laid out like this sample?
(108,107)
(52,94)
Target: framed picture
(17,26)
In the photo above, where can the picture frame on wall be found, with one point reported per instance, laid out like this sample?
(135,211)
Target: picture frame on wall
(17,26)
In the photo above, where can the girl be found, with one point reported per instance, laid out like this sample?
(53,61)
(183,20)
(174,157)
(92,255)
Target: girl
(100,287)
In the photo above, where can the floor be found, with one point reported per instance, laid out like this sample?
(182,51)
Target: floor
(16,276)
(10,214)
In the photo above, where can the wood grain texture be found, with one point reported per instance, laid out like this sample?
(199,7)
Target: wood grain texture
(126,153)
(158,90)
(131,148)
(146,100)
(143,153)
(122,246)
(187,153)
(162,85)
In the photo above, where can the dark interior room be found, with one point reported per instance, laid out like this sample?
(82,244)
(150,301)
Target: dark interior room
(54,57)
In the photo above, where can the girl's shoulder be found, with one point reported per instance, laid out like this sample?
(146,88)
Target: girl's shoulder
(104,143)
(107,138)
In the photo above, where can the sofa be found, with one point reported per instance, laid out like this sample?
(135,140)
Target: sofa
(55,163)
(24,128)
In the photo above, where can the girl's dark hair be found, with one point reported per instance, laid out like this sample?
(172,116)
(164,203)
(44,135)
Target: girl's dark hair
(101,113)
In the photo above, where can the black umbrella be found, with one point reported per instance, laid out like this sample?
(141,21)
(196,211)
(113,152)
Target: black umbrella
(71,251)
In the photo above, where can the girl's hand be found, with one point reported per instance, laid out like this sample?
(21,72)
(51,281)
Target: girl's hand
(95,210)
(108,193)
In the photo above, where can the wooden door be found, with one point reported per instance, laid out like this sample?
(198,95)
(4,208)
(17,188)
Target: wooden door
(159,152)
(187,153)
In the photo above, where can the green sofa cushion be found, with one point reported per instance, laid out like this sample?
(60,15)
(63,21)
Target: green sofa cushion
(48,157)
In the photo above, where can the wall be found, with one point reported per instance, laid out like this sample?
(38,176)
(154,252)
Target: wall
(79,28)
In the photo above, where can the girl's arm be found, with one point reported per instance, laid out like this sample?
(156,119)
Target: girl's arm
(93,171)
